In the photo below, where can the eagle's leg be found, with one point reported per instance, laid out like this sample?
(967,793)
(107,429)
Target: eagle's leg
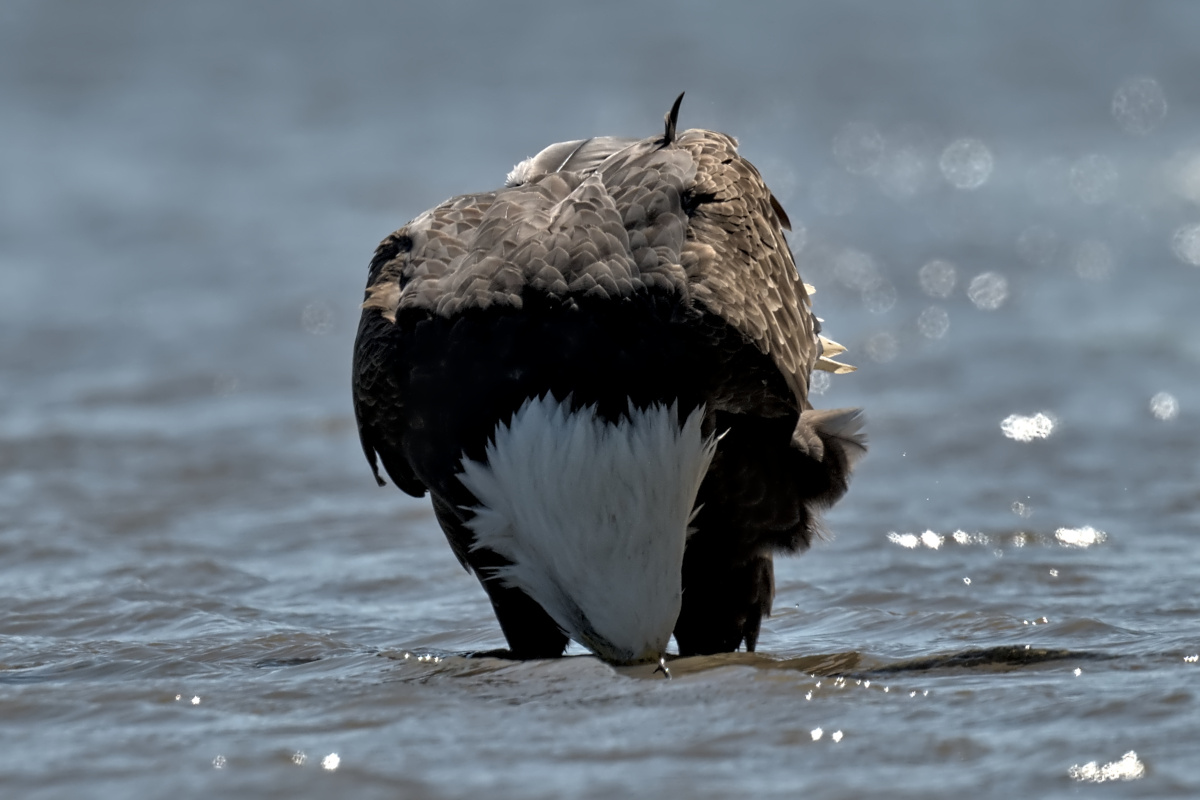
(725,598)
(752,504)
(528,629)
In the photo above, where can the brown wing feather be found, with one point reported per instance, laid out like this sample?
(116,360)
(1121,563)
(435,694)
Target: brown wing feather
(739,264)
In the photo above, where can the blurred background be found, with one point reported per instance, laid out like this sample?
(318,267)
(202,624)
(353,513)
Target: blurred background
(997,203)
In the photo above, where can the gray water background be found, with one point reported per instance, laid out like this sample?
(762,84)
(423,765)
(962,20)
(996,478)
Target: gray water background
(202,592)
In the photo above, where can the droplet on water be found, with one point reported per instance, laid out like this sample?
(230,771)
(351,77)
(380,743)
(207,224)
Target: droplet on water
(1186,244)
(937,278)
(1094,179)
(1139,105)
(966,164)
(299,757)
(933,322)
(1164,406)
(988,290)
(858,148)
(218,762)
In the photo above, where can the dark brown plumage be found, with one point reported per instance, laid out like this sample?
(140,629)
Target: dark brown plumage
(611,272)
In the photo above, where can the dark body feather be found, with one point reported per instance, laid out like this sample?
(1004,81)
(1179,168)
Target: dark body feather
(610,272)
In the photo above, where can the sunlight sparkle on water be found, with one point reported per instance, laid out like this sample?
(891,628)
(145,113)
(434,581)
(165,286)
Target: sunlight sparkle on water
(966,164)
(1026,429)
(1139,105)
(962,537)
(1192,659)
(988,290)
(331,762)
(1164,406)
(1079,537)
(836,736)
(817,733)
(1129,768)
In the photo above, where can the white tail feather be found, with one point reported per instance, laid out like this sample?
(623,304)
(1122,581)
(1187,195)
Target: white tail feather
(593,517)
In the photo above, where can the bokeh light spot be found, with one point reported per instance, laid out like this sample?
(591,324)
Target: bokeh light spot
(1139,105)
(988,290)
(1164,406)
(966,164)
(937,278)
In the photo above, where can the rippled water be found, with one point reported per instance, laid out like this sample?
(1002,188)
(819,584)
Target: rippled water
(203,592)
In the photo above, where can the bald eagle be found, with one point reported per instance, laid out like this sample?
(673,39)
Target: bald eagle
(600,375)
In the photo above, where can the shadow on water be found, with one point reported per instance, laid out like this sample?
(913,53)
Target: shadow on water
(985,659)
(1006,658)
